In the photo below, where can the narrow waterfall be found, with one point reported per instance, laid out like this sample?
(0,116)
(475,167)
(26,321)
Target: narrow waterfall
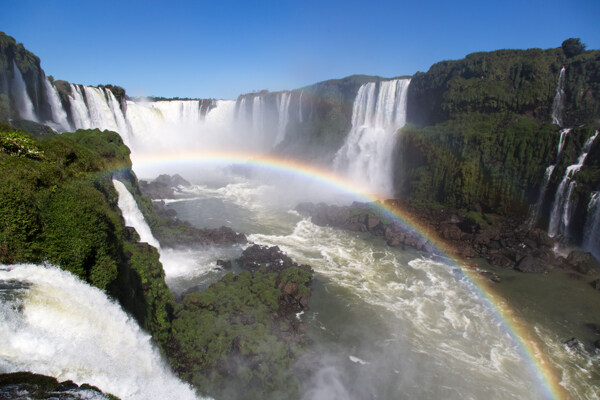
(591,230)
(536,209)
(20,96)
(283,106)
(52,323)
(122,126)
(379,110)
(133,216)
(59,115)
(562,209)
(558,106)
(300,119)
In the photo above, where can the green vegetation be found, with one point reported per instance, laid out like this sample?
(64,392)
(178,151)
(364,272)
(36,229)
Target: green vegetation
(480,136)
(58,205)
(572,47)
(492,161)
(227,340)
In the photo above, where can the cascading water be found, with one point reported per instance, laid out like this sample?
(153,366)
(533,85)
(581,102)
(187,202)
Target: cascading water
(379,110)
(132,214)
(283,105)
(54,324)
(59,116)
(101,115)
(547,175)
(562,209)
(558,105)
(79,110)
(591,230)
(20,96)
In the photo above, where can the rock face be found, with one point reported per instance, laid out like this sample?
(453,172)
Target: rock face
(163,187)
(27,386)
(502,241)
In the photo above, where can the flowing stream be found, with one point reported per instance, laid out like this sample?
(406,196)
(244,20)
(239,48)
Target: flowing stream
(392,323)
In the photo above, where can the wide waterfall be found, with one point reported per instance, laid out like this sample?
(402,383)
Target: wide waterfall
(562,209)
(54,324)
(20,96)
(366,157)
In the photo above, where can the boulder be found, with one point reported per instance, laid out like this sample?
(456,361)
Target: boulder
(532,264)
(583,262)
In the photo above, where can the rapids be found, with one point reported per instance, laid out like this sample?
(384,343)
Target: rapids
(392,323)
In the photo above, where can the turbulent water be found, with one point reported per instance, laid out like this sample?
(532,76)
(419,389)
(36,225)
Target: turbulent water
(386,322)
(54,324)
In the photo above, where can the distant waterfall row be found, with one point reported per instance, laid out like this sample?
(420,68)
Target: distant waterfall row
(367,156)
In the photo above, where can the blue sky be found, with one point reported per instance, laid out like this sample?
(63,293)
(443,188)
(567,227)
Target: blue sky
(220,48)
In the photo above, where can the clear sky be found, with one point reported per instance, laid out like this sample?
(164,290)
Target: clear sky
(221,48)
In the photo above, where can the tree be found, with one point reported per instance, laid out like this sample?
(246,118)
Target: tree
(572,47)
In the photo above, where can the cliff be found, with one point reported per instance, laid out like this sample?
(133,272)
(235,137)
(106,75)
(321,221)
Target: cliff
(481,132)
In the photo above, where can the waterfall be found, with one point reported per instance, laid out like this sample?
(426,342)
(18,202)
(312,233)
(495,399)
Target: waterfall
(52,323)
(122,126)
(20,96)
(300,119)
(379,110)
(591,230)
(59,115)
(547,175)
(562,209)
(283,105)
(133,216)
(79,110)
(558,105)
(101,115)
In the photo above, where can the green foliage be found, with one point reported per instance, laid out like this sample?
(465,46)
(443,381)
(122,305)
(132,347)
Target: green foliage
(19,144)
(58,205)
(572,47)
(225,340)
(493,161)
(515,81)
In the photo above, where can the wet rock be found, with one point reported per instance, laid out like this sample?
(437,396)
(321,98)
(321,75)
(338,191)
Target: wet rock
(583,262)
(501,261)
(531,264)
(163,187)
(571,343)
(595,284)
(597,344)
(224,264)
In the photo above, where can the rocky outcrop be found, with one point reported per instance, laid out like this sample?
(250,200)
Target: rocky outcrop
(27,386)
(163,187)
(502,241)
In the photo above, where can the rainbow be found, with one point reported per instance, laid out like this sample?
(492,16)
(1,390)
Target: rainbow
(542,368)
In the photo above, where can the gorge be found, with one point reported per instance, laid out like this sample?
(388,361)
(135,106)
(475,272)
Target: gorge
(505,138)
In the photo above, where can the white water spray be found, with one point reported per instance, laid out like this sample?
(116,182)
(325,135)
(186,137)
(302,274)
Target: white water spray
(59,116)
(558,105)
(591,230)
(19,93)
(562,209)
(54,324)
(379,111)
(132,214)
(283,106)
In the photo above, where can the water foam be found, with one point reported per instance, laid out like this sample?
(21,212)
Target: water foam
(60,326)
